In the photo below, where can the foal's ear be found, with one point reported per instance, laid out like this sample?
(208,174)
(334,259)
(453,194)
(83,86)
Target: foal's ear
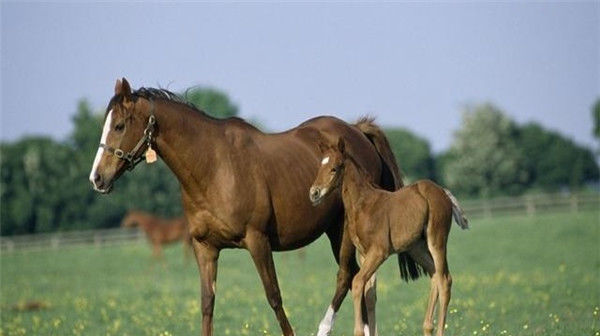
(323,147)
(122,88)
(341,145)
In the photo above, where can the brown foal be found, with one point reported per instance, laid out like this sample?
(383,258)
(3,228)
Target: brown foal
(415,219)
(159,231)
(242,188)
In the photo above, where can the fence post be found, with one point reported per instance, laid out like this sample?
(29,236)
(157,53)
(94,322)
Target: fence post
(97,240)
(530,206)
(574,203)
(487,210)
(54,242)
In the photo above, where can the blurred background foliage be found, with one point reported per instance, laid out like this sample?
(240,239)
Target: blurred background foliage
(44,182)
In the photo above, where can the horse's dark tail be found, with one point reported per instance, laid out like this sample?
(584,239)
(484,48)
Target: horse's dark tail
(391,180)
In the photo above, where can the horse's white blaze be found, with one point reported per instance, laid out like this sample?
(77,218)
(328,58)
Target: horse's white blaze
(100,151)
(325,160)
(327,322)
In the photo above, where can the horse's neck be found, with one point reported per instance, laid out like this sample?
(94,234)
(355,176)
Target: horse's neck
(187,141)
(354,184)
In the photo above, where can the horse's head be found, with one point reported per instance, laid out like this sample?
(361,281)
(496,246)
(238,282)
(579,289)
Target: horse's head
(125,135)
(330,173)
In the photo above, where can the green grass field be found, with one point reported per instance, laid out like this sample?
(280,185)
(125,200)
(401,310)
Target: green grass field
(512,276)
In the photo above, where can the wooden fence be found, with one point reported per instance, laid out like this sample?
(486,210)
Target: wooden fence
(529,205)
(57,240)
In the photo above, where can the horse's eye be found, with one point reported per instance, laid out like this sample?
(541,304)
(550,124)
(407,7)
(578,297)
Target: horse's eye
(119,127)
(334,169)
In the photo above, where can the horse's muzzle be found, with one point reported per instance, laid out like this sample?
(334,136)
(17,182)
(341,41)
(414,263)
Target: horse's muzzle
(100,185)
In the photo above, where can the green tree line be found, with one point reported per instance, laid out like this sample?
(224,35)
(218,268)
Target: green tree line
(44,183)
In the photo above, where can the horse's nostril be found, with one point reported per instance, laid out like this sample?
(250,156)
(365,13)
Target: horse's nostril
(97,180)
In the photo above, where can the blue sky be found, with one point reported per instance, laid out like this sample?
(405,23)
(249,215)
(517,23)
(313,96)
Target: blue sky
(413,65)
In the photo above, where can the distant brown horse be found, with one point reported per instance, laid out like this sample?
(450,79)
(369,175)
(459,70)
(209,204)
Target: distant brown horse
(159,231)
(241,188)
(415,219)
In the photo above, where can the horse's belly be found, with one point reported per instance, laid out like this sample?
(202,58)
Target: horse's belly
(296,229)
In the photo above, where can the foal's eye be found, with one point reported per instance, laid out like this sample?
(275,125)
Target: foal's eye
(334,169)
(119,127)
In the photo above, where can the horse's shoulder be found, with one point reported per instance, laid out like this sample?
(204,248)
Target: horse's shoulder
(240,137)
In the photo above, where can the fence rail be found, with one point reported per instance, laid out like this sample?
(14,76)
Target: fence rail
(44,241)
(529,205)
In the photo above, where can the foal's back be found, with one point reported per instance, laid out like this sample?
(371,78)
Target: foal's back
(417,209)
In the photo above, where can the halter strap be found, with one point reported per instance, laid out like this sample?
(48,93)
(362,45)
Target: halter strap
(130,157)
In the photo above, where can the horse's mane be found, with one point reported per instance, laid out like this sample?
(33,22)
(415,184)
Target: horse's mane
(166,95)
(163,94)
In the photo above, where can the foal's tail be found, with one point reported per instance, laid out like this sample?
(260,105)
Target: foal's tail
(457,212)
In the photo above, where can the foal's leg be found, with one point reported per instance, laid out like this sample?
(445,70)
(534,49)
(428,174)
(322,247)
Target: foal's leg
(370,293)
(260,249)
(372,260)
(420,253)
(345,255)
(207,257)
(443,280)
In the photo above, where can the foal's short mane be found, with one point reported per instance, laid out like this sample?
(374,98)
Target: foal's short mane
(361,171)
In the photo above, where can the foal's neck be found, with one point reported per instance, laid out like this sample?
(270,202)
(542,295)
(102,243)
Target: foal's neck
(354,183)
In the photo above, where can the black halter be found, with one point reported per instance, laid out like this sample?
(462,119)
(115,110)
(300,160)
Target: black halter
(130,157)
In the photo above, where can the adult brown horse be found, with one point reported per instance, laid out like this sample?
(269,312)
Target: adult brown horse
(159,231)
(241,188)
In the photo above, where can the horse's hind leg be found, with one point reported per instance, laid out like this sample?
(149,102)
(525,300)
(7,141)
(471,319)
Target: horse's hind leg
(260,248)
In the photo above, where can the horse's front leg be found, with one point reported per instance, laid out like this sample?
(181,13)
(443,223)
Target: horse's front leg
(260,249)
(207,257)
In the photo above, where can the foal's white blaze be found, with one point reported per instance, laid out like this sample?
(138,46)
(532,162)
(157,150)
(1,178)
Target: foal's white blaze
(105,131)
(327,322)
(325,160)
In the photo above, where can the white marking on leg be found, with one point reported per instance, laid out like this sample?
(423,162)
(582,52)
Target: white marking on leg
(367,332)
(325,160)
(327,322)
(100,151)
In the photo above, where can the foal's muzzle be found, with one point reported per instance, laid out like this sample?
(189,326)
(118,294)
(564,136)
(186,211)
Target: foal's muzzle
(316,195)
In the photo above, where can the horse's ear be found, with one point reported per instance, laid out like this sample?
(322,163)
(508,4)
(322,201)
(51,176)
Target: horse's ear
(118,86)
(122,88)
(341,145)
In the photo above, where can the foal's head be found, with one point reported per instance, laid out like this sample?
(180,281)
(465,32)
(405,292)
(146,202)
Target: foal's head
(131,219)
(122,131)
(330,173)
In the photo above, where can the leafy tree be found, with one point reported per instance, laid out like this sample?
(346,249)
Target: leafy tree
(554,161)
(412,152)
(212,101)
(487,160)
